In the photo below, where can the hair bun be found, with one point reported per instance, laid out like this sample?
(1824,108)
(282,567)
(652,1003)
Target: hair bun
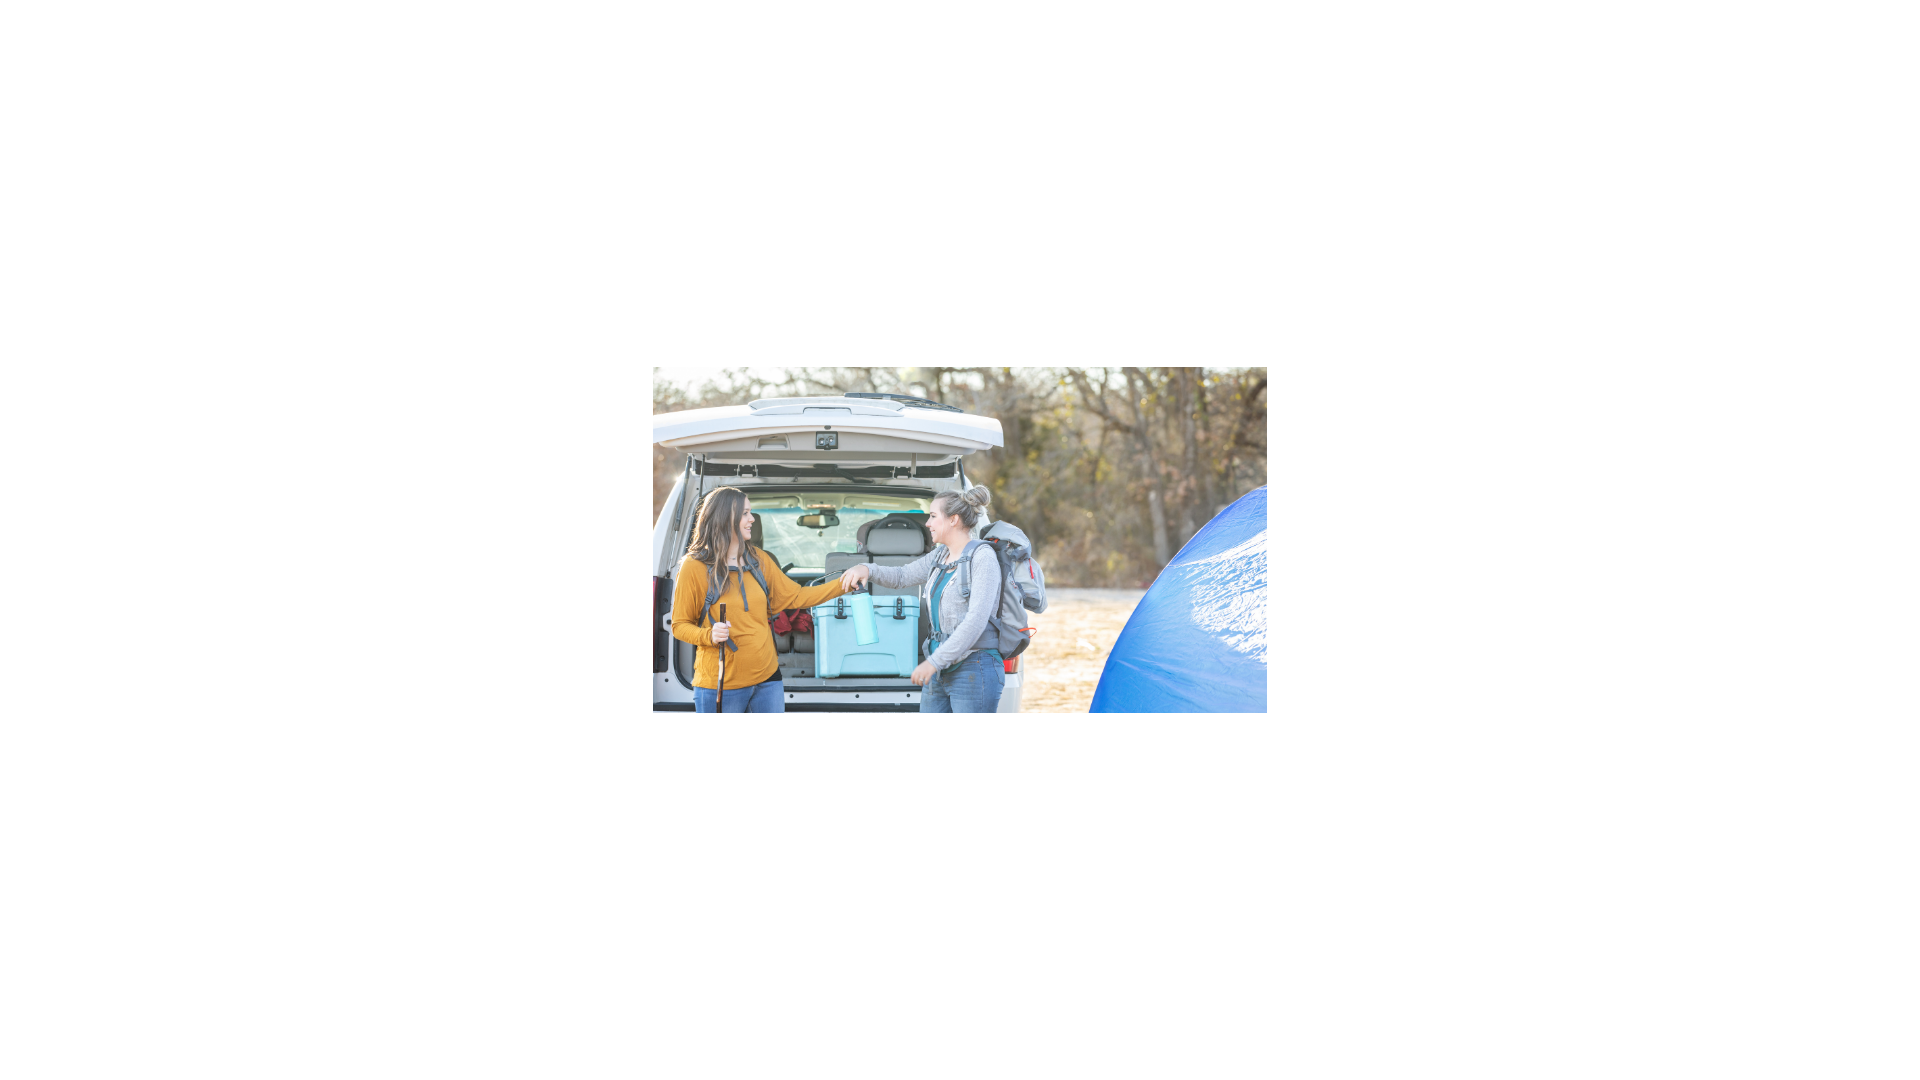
(978,495)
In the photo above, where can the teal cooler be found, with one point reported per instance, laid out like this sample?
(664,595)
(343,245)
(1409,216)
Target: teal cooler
(836,647)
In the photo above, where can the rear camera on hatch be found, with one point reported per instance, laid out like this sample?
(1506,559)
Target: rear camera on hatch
(826,440)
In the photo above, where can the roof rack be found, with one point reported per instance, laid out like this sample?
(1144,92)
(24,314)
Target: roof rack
(909,399)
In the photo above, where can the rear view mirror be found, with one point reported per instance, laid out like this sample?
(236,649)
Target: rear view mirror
(819,521)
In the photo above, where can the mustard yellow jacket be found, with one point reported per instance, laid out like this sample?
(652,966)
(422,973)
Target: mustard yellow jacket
(749,613)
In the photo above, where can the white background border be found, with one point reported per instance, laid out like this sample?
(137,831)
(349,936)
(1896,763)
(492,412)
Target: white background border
(324,415)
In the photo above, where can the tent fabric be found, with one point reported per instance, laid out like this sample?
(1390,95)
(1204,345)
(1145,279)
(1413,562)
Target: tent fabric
(1197,642)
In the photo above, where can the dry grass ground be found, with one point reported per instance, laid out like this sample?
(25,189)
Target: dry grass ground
(1063,664)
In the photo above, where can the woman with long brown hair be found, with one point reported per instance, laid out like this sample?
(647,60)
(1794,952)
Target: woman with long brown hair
(721,550)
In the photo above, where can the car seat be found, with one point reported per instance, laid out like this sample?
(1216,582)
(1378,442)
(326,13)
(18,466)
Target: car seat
(898,544)
(895,521)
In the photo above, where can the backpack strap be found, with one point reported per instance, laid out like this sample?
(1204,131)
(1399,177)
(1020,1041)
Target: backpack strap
(966,585)
(932,638)
(713,587)
(966,569)
(924,635)
(753,563)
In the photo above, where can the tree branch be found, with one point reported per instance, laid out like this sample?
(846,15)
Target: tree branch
(1136,384)
(1098,405)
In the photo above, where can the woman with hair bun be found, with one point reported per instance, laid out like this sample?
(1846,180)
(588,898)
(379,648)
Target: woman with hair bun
(965,671)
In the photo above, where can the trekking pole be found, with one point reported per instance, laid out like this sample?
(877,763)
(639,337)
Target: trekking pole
(720,699)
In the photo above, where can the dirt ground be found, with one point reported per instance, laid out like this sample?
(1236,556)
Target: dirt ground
(1063,664)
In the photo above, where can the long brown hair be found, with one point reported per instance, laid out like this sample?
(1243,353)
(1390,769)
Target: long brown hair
(715,528)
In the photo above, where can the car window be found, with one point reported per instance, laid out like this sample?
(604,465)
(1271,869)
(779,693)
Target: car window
(807,549)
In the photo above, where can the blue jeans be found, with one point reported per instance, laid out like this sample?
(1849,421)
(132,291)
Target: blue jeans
(972,685)
(768,696)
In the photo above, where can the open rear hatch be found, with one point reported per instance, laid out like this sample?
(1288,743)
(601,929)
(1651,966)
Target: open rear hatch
(853,435)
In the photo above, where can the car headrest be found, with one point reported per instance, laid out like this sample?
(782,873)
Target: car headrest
(917,520)
(759,534)
(898,538)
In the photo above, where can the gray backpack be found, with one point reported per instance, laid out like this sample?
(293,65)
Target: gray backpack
(1027,575)
(1022,586)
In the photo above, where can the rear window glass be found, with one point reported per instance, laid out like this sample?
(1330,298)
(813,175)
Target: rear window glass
(807,548)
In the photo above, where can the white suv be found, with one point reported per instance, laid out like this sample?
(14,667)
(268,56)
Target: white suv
(815,470)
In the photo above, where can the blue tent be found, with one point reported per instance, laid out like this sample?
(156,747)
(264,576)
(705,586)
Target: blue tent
(1198,640)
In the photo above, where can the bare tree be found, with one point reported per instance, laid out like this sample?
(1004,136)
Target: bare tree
(1194,481)
(1139,435)
(1138,387)
(1248,426)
